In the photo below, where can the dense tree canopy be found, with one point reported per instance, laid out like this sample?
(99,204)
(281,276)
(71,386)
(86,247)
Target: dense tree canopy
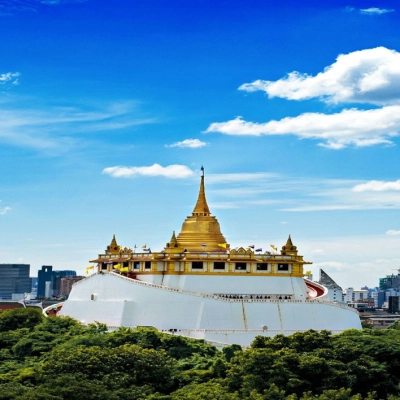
(58,359)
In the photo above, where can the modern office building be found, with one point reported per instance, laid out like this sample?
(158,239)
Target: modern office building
(14,281)
(49,281)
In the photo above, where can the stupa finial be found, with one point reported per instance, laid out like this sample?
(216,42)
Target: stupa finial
(201,207)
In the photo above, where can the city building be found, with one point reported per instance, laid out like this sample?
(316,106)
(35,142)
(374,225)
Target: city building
(49,281)
(355,296)
(15,282)
(390,282)
(335,292)
(199,287)
(66,284)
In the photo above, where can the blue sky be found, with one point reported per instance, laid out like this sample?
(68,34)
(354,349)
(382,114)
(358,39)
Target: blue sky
(109,109)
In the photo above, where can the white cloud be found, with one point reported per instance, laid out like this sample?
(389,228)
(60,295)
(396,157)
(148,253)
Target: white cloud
(318,252)
(5,210)
(9,76)
(364,76)
(375,10)
(171,171)
(392,232)
(188,143)
(377,186)
(349,127)
(58,128)
(331,266)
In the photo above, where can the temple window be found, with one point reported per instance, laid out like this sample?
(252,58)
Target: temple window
(262,267)
(147,265)
(136,265)
(283,267)
(219,265)
(240,265)
(197,264)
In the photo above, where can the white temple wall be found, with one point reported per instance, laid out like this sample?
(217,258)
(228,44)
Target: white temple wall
(121,302)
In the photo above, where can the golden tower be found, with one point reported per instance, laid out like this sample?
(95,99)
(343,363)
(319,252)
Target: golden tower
(200,231)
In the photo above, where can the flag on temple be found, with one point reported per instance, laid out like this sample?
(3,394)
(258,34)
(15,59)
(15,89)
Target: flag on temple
(251,246)
(143,247)
(274,247)
(149,250)
(258,250)
(222,245)
(89,268)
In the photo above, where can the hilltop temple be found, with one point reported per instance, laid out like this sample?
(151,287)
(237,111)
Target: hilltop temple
(198,287)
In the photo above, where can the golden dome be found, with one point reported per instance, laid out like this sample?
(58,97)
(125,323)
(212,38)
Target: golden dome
(201,231)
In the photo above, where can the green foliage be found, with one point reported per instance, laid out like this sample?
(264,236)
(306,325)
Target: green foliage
(58,359)
(20,318)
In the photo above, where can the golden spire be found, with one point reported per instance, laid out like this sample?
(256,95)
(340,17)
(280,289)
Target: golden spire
(288,248)
(113,241)
(201,207)
(113,248)
(201,231)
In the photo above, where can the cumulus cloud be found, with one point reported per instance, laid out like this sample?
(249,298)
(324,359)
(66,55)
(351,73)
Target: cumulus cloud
(375,10)
(9,76)
(349,127)
(377,186)
(365,76)
(188,143)
(392,232)
(171,171)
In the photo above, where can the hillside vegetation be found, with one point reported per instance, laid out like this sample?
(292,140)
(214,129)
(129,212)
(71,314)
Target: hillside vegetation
(58,359)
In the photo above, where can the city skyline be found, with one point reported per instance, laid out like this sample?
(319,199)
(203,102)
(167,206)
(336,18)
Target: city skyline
(108,112)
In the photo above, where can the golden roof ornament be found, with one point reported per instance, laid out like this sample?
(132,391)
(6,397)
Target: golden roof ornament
(289,248)
(201,231)
(113,248)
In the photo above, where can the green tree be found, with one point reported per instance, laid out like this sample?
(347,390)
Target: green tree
(17,318)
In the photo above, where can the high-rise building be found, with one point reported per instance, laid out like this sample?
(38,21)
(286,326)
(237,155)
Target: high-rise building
(49,281)
(44,275)
(390,282)
(14,281)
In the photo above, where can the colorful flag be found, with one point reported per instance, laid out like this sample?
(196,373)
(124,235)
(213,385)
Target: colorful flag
(149,250)
(89,268)
(251,246)
(222,245)
(274,247)
(143,247)
(258,250)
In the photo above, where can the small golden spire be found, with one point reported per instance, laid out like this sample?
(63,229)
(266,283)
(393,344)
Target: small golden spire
(113,248)
(113,241)
(289,248)
(201,207)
